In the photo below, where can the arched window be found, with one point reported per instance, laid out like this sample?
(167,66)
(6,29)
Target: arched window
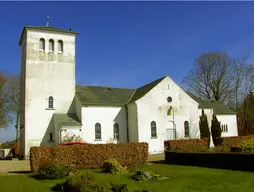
(153,129)
(186,129)
(97,131)
(51,45)
(60,45)
(51,102)
(42,44)
(116,131)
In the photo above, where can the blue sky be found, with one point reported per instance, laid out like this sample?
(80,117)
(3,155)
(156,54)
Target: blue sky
(129,44)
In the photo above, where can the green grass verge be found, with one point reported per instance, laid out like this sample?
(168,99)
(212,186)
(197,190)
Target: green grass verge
(180,179)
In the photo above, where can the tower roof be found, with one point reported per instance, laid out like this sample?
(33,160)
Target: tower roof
(46,28)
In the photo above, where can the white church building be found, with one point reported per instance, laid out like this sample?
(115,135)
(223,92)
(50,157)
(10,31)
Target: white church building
(52,105)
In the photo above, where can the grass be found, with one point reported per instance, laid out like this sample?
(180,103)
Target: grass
(181,179)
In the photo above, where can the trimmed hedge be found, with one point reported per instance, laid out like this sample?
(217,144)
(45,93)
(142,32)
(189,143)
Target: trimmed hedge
(187,145)
(89,155)
(232,141)
(233,161)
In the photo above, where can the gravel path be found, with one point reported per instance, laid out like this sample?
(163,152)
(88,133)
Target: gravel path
(14,166)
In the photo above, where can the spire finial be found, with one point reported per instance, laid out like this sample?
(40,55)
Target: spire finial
(47,21)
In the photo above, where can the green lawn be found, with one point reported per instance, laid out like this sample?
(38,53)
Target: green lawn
(181,179)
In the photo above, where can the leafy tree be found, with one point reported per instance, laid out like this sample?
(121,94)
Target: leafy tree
(245,116)
(215,128)
(203,126)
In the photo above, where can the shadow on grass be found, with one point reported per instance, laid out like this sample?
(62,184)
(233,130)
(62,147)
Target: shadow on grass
(157,162)
(20,172)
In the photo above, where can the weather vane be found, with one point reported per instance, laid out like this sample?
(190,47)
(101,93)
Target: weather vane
(47,21)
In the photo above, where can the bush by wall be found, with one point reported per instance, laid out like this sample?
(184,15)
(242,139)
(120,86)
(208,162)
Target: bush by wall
(232,141)
(51,171)
(90,155)
(233,161)
(187,145)
(113,167)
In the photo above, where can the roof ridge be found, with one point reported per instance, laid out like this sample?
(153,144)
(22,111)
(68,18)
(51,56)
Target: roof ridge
(104,87)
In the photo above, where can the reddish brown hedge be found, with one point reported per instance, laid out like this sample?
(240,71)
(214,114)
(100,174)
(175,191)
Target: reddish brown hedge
(90,155)
(186,145)
(232,141)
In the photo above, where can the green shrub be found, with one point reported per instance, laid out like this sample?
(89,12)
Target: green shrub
(247,146)
(220,149)
(142,175)
(82,182)
(5,146)
(113,167)
(51,171)
(119,187)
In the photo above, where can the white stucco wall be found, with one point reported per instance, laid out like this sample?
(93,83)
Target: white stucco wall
(106,116)
(47,74)
(154,106)
(231,122)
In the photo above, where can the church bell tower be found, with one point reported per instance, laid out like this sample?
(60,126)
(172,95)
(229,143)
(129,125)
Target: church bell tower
(47,82)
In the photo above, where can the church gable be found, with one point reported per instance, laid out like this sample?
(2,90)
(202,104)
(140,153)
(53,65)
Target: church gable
(142,91)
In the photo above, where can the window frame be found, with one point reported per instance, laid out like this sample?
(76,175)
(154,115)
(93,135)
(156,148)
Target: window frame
(53,45)
(42,40)
(224,128)
(153,127)
(116,131)
(97,131)
(51,137)
(50,102)
(186,129)
(60,42)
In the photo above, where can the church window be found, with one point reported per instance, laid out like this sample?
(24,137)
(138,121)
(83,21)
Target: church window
(153,129)
(42,44)
(116,131)
(51,45)
(60,46)
(51,102)
(186,129)
(50,136)
(97,131)
(224,128)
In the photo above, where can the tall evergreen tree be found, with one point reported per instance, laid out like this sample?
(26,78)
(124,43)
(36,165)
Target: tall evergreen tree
(203,126)
(215,128)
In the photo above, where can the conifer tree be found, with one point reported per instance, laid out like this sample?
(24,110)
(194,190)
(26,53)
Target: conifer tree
(203,126)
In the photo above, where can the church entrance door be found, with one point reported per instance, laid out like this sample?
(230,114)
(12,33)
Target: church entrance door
(170,131)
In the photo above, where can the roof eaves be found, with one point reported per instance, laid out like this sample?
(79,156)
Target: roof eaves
(45,29)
